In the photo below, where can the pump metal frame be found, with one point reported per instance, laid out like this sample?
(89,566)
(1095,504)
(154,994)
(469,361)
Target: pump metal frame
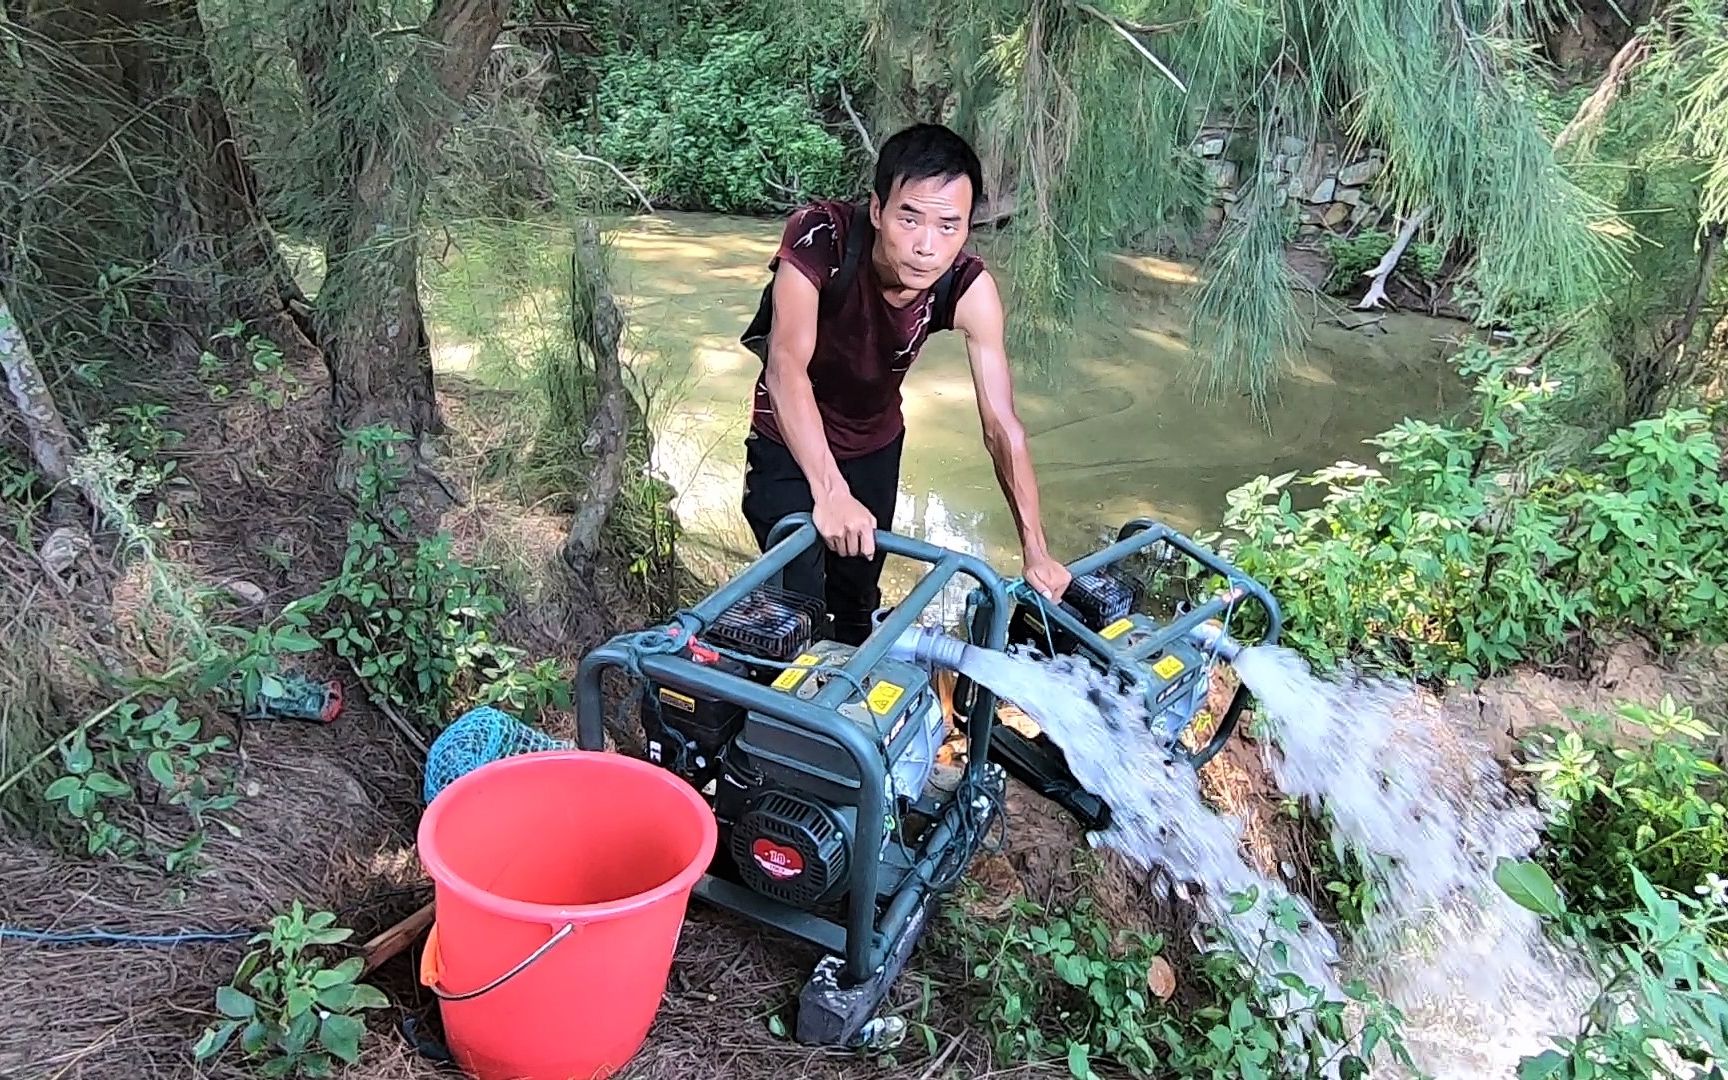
(867,943)
(1036,762)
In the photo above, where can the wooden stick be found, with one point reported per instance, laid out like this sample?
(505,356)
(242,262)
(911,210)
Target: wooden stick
(396,939)
(1117,26)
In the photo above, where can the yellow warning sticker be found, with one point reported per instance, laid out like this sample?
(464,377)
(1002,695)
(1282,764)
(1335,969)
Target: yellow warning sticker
(678,701)
(1116,629)
(882,697)
(792,676)
(1168,668)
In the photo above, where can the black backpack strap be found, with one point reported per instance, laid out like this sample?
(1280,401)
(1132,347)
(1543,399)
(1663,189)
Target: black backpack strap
(755,336)
(856,236)
(944,296)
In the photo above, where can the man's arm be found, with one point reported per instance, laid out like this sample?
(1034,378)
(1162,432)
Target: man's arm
(846,525)
(979,317)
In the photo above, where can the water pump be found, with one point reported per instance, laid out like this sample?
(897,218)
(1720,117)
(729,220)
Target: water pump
(820,761)
(838,826)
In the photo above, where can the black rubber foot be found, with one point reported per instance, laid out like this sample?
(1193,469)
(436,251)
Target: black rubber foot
(830,1014)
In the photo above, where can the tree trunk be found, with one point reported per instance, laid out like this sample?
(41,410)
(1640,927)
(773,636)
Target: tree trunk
(1652,378)
(130,161)
(371,325)
(607,444)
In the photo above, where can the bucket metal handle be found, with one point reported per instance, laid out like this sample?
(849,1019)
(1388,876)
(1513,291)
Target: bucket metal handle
(432,965)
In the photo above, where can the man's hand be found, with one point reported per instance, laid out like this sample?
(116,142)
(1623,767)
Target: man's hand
(1047,576)
(846,525)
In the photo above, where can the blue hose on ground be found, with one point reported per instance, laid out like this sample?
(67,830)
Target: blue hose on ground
(81,937)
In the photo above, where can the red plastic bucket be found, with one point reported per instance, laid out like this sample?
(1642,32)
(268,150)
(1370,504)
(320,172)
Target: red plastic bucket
(562,880)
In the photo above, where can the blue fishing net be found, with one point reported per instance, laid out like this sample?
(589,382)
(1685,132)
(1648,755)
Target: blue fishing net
(476,737)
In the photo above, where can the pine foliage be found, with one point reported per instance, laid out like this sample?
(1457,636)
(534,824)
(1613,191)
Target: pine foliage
(1091,136)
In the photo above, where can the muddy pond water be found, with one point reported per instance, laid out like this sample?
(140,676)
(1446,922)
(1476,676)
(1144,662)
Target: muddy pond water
(1117,431)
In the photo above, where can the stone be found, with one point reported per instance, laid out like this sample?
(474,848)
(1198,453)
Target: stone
(1223,173)
(1211,147)
(1349,195)
(1323,191)
(1280,163)
(1307,232)
(244,591)
(1360,173)
(1336,214)
(1214,215)
(1291,146)
(1361,213)
(1310,216)
(62,548)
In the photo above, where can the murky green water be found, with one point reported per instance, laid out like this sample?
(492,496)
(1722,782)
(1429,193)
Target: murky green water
(1119,434)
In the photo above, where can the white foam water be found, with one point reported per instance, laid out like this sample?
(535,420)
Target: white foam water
(1479,984)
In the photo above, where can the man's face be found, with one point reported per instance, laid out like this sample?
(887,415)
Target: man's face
(921,228)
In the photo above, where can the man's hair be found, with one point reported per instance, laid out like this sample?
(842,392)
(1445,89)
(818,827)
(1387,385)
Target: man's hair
(922,151)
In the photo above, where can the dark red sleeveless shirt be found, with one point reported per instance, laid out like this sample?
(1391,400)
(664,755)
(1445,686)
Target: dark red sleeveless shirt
(864,345)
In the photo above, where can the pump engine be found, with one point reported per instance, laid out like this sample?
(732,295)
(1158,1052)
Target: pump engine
(782,792)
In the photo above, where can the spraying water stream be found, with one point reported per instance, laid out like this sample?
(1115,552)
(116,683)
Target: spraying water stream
(1478,983)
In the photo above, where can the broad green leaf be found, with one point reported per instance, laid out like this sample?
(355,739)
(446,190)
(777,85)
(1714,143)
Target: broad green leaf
(62,788)
(1079,1061)
(300,1032)
(341,1036)
(103,784)
(234,1004)
(1529,886)
(294,640)
(254,1038)
(1544,1065)
(161,768)
(214,1040)
(1241,1019)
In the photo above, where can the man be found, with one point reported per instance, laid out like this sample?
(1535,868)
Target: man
(856,293)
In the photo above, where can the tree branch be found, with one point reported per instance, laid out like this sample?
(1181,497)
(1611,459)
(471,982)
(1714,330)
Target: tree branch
(629,183)
(1593,109)
(1113,23)
(1376,294)
(863,133)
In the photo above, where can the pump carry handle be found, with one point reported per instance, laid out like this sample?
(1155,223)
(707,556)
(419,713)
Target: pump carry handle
(1131,539)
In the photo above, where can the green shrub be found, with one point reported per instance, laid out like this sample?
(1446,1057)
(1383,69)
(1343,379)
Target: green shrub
(415,622)
(1637,797)
(726,122)
(1069,988)
(288,1006)
(1468,549)
(1659,1008)
(1352,257)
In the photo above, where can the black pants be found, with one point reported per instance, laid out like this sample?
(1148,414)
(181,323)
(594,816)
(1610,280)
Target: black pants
(774,486)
